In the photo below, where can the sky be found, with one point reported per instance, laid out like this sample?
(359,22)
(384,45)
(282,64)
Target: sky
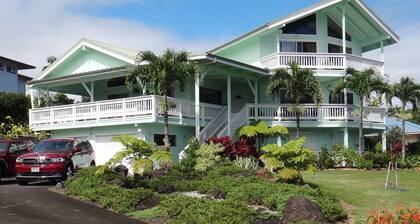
(32,30)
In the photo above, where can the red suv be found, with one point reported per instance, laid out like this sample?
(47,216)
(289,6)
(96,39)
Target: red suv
(9,151)
(54,160)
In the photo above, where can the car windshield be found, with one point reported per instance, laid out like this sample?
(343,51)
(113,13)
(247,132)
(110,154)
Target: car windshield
(60,146)
(3,146)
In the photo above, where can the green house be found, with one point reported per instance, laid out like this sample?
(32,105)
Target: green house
(231,91)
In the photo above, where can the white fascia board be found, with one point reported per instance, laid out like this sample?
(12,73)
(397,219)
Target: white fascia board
(78,45)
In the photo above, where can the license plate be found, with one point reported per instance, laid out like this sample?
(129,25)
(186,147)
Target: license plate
(35,169)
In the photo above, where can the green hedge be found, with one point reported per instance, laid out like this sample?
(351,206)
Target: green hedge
(15,105)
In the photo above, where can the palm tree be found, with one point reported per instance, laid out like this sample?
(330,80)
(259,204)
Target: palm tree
(363,83)
(161,73)
(298,83)
(407,91)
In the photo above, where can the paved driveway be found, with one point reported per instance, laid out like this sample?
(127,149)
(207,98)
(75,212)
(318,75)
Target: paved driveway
(34,204)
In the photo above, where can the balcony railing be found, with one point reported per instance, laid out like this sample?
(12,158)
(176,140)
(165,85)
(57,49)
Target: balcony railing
(141,109)
(320,61)
(315,113)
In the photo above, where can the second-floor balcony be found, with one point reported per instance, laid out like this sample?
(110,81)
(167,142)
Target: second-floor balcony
(322,61)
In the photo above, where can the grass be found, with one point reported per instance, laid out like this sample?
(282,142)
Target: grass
(365,192)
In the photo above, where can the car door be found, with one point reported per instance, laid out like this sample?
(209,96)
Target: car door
(77,157)
(12,154)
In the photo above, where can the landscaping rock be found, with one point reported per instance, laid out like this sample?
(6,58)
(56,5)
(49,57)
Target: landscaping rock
(218,194)
(60,185)
(165,189)
(270,220)
(121,170)
(148,203)
(300,209)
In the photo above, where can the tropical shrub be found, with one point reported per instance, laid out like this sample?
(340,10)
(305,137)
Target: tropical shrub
(261,132)
(247,163)
(9,130)
(139,154)
(207,156)
(16,106)
(401,216)
(243,147)
(291,155)
(325,160)
(189,159)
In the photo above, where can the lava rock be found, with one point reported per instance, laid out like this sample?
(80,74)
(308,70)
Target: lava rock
(121,170)
(148,203)
(218,194)
(60,185)
(300,209)
(165,189)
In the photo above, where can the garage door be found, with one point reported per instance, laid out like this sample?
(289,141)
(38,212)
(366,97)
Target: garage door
(105,148)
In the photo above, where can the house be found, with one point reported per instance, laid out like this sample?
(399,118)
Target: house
(10,79)
(412,130)
(231,89)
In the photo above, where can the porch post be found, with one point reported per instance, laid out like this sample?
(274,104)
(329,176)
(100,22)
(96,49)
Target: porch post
(31,94)
(382,58)
(346,115)
(92,91)
(229,105)
(48,97)
(197,106)
(343,26)
(256,99)
(346,137)
(384,141)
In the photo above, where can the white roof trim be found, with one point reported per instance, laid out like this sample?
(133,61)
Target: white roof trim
(300,14)
(78,45)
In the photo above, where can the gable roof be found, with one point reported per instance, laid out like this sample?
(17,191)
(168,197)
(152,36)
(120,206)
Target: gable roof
(410,127)
(124,54)
(303,13)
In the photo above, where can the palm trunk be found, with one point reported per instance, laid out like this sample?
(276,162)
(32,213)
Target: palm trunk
(361,140)
(403,132)
(297,120)
(166,122)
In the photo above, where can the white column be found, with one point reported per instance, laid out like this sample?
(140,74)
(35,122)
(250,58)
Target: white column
(279,141)
(346,137)
(346,111)
(343,26)
(382,58)
(256,99)
(197,107)
(384,141)
(92,91)
(229,105)
(31,94)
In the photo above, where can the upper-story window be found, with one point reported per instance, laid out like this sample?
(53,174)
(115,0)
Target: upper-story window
(296,46)
(119,81)
(332,48)
(11,69)
(335,30)
(305,25)
(1,67)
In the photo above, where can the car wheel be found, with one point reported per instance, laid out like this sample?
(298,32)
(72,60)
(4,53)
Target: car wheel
(69,172)
(22,182)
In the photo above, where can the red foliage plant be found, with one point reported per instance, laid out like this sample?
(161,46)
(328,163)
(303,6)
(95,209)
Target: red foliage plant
(402,216)
(244,147)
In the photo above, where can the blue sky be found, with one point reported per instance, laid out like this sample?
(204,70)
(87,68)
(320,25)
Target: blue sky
(223,18)
(41,28)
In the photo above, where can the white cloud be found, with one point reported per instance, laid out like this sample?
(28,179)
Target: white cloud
(403,58)
(32,30)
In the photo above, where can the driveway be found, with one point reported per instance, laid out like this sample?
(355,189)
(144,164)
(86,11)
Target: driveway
(35,204)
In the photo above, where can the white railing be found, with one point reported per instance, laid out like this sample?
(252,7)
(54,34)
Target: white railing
(214,125)
(113,112)
(319,61)
(238,120)
(324,112)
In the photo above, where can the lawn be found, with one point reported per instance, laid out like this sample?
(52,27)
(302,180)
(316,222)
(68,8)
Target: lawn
(364,190)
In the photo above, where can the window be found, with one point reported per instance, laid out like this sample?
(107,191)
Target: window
(284,99)
(292,46)
(305,25)
(158,139)
(335,30)
(339,98)
(1,66)
(11,69)
(332,48)
(119,81)
(118,96)
(210,96)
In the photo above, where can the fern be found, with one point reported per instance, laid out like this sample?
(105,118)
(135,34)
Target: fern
(262,132)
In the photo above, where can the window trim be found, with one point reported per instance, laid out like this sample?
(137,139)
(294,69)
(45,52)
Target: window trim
(296,42)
